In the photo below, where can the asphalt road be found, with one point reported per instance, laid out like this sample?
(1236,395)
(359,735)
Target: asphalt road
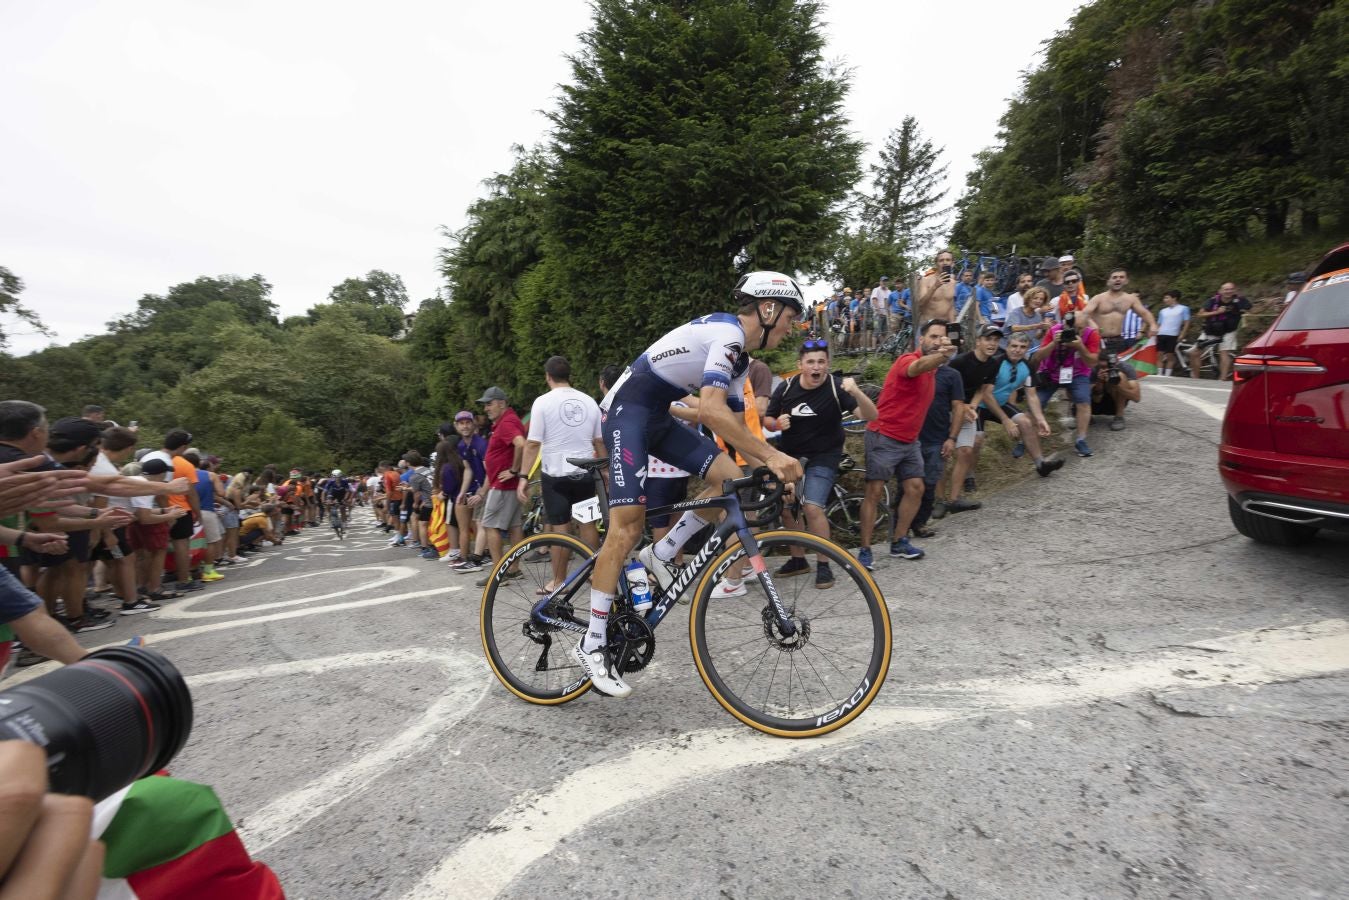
(1098,690)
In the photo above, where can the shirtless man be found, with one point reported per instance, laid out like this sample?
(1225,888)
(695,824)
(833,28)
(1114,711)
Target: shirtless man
(1105,312)
(937,291)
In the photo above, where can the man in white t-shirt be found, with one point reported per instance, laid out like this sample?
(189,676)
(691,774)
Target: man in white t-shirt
(880,312)
(1171,321)
(563,422)
(1016,300)
(112,546)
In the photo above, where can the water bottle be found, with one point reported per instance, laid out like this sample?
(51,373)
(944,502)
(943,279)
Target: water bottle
(639,586)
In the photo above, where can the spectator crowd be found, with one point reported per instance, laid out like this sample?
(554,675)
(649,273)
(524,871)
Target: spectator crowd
(97,524)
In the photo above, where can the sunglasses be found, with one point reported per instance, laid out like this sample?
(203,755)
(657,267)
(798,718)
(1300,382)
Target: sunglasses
(815,345)
(1070,280)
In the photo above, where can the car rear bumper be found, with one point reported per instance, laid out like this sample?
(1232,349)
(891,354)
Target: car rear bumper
(1302,490)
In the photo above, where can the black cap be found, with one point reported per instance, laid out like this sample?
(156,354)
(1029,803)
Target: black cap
(75,430)
(154,466)
(989,330)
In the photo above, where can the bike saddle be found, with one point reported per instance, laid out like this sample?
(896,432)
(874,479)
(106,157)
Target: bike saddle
(587,462)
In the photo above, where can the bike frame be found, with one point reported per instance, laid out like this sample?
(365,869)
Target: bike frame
(732,524)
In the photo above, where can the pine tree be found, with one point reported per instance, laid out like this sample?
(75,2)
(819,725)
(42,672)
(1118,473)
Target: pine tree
(904,209)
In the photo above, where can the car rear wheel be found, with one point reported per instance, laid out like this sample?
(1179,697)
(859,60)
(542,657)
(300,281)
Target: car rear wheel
(1266,530)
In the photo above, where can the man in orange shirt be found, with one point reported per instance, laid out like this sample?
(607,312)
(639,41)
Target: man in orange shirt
(180,532)
(393,503)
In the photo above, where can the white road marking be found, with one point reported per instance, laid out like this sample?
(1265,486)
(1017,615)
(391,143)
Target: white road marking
(1212,410)
(182,609)
(532,826)
(465,677)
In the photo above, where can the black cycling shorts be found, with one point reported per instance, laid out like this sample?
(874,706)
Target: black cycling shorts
(559,494)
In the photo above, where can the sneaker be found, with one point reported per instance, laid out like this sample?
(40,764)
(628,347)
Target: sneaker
(595,664)
(506,576)
(212,576)
(1047,467)
(1081,447)
(185,586)
(452,558)
(397,541)
(797,565)
(922,531)
(93,612)
(664,573)
(470,565)
(140,606)
(1117,423)
(962,505)
(237,559)
(1018,450)
(864,557)
(904,550)
(428,553)
(939,509)
(28,657)
(725,589)
(824,576)
(969,486)
(83,624)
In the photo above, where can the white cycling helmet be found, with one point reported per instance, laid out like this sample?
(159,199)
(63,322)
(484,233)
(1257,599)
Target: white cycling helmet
(769,286)
(337,473)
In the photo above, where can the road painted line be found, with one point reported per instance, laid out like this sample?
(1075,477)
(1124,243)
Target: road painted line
(533,825)
(1212,410)
(182,609)
(1181,384)
(163,637)
(467,682)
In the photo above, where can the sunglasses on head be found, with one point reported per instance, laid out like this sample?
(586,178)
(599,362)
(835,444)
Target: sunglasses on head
(815,345)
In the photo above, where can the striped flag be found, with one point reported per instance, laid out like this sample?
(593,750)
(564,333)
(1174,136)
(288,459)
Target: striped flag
(1143,357)
(168,838)
(438,531)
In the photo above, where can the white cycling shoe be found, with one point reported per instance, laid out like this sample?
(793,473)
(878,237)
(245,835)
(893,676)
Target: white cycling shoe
(597,670)
(664,573)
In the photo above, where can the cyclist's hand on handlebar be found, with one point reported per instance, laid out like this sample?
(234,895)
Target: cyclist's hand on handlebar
(787,468)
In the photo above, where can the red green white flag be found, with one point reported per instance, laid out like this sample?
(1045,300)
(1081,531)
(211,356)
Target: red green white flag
(168,838)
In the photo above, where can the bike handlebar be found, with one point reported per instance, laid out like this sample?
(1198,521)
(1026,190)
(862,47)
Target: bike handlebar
(760,477)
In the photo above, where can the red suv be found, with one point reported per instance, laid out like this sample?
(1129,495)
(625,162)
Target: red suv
(1284,457)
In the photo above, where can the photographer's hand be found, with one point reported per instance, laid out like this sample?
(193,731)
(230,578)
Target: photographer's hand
(45,850)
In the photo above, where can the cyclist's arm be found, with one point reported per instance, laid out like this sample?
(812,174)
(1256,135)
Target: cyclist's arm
(716,414)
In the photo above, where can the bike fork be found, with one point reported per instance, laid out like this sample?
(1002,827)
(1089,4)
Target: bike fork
(756,561)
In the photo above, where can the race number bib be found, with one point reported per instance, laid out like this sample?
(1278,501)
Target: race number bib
(586,511)
(1065,375)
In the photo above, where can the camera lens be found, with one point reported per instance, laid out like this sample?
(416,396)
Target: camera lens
(119,714)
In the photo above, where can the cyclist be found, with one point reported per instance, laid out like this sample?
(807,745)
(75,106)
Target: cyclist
(709,355)
(337,497)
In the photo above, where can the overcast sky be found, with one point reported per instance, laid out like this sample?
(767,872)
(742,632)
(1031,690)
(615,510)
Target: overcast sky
(149,143)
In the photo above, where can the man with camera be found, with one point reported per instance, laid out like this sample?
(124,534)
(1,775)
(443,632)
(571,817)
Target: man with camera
(937,291)
(1221,317)
(1065,362)
(1114,385)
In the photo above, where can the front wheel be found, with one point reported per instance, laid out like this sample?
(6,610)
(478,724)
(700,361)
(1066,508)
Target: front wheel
(532,659)
(808,684)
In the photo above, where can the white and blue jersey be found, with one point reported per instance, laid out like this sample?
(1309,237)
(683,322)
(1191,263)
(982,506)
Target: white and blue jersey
(707,352)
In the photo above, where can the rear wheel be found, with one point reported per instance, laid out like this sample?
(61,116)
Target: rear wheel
(812,683)
(1266,530)
(533,660)
(845,517)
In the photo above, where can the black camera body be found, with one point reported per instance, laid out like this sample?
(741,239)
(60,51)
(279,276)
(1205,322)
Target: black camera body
(955,335)
(1112,372)
(1069,332)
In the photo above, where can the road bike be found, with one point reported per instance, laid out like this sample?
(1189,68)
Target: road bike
(337,518)
(1208,356)
(791,661)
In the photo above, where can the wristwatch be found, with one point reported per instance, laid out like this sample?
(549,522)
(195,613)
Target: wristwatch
(93,514)
(515,473)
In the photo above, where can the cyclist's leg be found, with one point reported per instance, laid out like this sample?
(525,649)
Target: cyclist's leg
(696,453)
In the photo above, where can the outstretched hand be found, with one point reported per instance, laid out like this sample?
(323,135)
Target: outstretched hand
(45,849)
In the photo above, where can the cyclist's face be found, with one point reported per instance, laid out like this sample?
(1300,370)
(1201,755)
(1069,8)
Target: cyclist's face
(784,323)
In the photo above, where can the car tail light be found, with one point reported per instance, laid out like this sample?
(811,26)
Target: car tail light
(1244,368)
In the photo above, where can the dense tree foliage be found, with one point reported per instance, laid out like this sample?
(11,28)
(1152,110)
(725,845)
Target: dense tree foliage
(210,356)
(12,311)
(1155,130)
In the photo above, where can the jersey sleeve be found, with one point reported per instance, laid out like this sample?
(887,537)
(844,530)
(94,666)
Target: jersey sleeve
(725,346)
